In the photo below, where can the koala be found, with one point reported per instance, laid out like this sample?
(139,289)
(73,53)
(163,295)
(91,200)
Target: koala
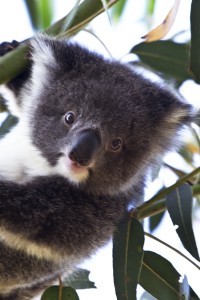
(89,131)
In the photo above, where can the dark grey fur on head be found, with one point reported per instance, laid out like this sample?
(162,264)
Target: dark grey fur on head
(111,99)
(98,127)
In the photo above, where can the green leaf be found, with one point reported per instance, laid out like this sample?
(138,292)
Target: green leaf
(86,12)
(80,280)
(118,9)
(151,6)
(195,40)
(9,122)
(52,293)
(159,278)
(154,221)
(40,12)
(167,57)
(3,106)
(179,205)
(193,295)
(186,154)
(128,244)
(16,61)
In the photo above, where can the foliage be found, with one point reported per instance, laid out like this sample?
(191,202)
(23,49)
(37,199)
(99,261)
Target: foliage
(131,264)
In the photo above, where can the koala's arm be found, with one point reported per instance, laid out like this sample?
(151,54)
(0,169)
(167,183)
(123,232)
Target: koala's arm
(50,212)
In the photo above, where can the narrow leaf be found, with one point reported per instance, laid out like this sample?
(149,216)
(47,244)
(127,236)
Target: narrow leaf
(40,12)
(46,12)
(127,257)
(53,293)
(155,221)
(9,122)
(167,57)
(32,8)
(160,31)
(195,40)
(16,61)
(3,106)
(118,9)
(150,7)
(86,12)
(159,278)
(105,6)
(179,205)
(80,280)
(67,23)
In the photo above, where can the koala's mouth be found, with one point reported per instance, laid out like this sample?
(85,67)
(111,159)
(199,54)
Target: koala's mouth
(77,172)
(76,167)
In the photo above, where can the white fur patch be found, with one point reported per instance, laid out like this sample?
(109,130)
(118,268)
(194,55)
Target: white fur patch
(19,159)
(13,107)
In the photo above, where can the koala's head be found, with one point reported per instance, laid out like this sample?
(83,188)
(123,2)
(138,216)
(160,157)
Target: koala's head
(96,121)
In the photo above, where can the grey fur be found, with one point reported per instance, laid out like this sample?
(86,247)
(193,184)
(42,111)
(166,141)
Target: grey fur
(109,101)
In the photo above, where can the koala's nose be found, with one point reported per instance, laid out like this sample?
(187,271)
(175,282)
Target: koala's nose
(85,146)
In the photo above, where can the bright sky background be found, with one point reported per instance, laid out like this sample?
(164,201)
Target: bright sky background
(14,24)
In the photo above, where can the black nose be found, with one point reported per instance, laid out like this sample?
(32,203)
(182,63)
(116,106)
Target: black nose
(85,146)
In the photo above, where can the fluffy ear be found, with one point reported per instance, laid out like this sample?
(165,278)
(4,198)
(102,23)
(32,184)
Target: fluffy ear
(44,61)
(180,112)
(173,114)
(42,51)
(57,55)
(52,58)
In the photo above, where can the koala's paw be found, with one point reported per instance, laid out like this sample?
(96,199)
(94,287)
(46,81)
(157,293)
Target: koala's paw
(6,47)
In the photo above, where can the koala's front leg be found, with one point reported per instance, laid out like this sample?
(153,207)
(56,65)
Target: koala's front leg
(55,219)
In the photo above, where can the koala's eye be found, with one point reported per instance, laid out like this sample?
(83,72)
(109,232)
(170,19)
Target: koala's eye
(116,144)
(69,118)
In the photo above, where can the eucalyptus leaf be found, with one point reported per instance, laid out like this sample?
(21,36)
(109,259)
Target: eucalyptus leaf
(15,62)
(118,9)
(3,106)
(6,126)
(195,40)
(80,280)
(167,57)
(179,205)
(151,6)
(128,244)
(159,278)
(40,12)
(155,221)
(79,18)
(53,293)
(186,154)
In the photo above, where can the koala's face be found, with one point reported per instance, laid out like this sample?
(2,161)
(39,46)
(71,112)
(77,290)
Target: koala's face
(99,124)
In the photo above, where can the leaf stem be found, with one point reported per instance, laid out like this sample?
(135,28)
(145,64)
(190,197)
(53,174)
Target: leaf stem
(16,61)
(156,204)
(60,288)
(172,248)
